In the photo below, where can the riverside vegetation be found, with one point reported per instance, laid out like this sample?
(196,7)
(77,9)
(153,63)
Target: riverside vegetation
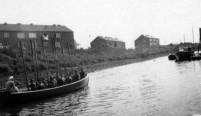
(11,62)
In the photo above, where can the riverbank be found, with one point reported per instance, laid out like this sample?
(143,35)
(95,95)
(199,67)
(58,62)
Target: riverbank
(11,62)
(94,67)
(110,64)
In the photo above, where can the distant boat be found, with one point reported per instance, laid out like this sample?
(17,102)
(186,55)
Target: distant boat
(184,54)
(27,96)
(171,57)
(196,56)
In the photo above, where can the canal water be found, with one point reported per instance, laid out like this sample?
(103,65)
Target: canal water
(156,87)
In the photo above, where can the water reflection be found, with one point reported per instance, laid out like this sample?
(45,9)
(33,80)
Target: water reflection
(151,88)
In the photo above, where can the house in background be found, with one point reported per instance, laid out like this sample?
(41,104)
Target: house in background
(146,42)
(51,37)
(102,43)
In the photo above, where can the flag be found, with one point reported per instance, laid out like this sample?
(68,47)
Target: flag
(45,37)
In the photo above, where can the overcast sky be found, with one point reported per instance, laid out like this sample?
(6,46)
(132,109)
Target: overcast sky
(168,20)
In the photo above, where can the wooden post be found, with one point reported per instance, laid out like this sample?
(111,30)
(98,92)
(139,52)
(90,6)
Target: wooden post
(36,59)
(61,45)
(56,63)
(25,71)
(33,53)
(68,48)
(45,55)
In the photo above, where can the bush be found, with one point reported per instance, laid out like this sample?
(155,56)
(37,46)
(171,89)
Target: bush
(5,69)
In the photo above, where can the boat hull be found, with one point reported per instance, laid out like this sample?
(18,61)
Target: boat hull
(184,56)
(27,96)
(171,57)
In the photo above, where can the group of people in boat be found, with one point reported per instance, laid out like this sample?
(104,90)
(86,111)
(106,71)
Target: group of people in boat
(52,80)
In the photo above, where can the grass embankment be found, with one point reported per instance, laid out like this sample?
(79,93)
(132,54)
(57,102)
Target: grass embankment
(91,60)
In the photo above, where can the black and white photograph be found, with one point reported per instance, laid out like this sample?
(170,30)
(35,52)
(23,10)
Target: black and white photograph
(100,57)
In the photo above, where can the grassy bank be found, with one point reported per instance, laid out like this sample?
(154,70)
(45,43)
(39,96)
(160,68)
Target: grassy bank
(109,64)
(91,60)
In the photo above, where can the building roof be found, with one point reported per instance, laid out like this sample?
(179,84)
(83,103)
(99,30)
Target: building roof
(146,37)
(33,28)
(109,39)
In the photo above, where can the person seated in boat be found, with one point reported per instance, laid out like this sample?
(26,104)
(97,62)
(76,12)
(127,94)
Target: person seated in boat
(68,79)
(54,82)
(45,82)
(32,85)
(76,76)
(50,82)
(82,73)
(37,85)
(41,85)
(10,85)
(63,78)
(59,80)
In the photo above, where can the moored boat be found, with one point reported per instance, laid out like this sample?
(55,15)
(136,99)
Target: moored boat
(196,56)
(171,57)
(184,54)
(28,96)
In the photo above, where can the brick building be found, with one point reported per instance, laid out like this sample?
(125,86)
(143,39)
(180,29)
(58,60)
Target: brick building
(145,41)
(100,43)
(51,37)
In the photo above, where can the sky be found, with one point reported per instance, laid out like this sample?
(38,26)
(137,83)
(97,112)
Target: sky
(172,21)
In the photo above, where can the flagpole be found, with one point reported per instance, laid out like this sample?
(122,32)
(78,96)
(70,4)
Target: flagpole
(25,71)
(33,58)
(36,58)
(45,55)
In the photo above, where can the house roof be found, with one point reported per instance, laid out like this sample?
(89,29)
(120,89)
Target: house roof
(109,39)
(145,37)
(33,28)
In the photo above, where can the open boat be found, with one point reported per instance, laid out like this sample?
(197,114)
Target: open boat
(184,54)
(27,96)
(171,57)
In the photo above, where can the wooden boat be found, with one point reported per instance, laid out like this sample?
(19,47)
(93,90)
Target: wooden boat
(171,57)
(184,55)
(27,96)
(196,56)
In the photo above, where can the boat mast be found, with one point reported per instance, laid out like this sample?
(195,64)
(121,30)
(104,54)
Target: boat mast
(184,39)
(193,37)
(199,40)
(22,56)
(34,58)
(45,55)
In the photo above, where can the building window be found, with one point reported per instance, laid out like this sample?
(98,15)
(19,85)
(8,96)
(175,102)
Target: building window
(57,45)
(32,35)
(1,45)
(20,35)
(115,44)
(58,35)
(45,43)
(6,35)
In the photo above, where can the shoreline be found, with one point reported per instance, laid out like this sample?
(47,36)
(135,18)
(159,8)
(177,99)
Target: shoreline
(110,64)
(105,65)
